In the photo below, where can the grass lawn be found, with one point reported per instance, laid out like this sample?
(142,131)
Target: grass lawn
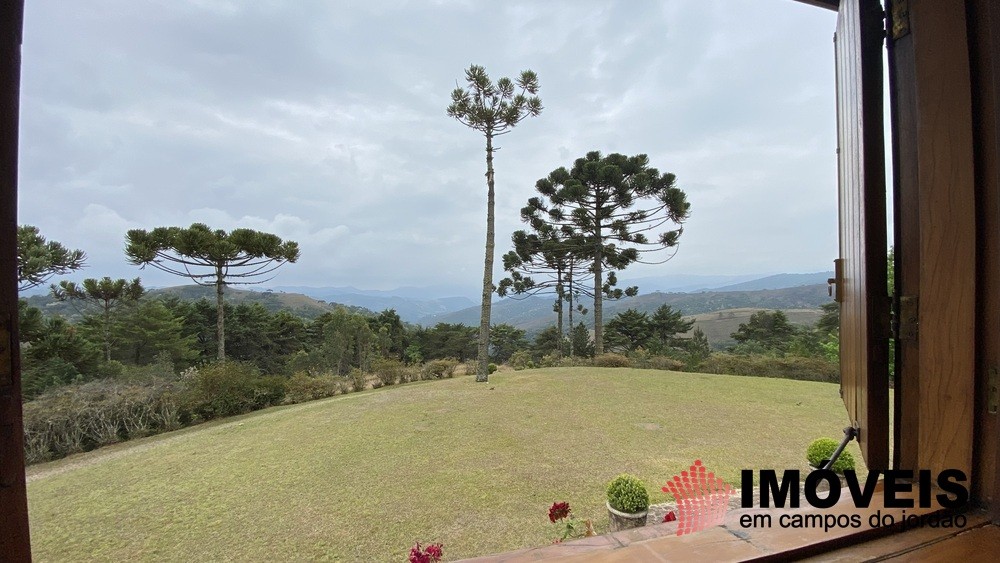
(361,477)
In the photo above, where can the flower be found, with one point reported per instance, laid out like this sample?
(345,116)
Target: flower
(430,554)
(558,511)
(669,517)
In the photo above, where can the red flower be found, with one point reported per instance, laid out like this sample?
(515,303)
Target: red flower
(669,517)
(558,511)
(430,554)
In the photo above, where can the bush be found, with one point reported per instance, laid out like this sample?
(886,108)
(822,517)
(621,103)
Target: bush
(389,371)
(302,387)
(492,368)
(628,494)
(521,360)
(788,367)
(822,449)
(229,388)
(644,360)
(439,369)
(666,364)
(359,381)
(83,417)
(610,360)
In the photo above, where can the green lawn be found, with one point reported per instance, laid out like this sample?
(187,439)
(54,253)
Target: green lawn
(361,477)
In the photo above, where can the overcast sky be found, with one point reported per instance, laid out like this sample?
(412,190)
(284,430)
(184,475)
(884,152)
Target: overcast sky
(325,123)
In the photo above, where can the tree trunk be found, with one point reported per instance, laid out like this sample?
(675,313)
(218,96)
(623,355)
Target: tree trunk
(569,282)
(559,311)
(483,370)
(107,331)
(220,324)
(598,295)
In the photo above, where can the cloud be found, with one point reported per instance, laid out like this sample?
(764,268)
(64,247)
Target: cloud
(325,124)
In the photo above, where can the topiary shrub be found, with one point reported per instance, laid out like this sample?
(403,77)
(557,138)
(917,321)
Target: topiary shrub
(822,449)
(628,494)
(610,360)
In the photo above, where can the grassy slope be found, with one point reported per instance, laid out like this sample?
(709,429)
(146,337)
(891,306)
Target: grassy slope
(361,477)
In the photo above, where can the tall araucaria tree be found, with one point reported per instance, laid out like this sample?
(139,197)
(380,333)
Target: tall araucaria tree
(38,259)
(107,294)
(493,110)
(622,209)
(211,258)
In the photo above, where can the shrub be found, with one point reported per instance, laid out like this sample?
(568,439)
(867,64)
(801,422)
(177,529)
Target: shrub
(788,367)
(83,417)
(343,386)
(610,360)
(492,368)
(302,387)
(358,379)
(438,369)
(521,360)
(628,494)
(229,388)
(389,371)
(641,358)
(666,364)
(822,449)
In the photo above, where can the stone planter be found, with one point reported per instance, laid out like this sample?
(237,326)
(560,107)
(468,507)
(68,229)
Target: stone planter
(624,520)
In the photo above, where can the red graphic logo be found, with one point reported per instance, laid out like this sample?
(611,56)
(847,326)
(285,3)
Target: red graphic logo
(702,498)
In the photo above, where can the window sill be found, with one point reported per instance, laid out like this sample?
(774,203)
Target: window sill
(733,542)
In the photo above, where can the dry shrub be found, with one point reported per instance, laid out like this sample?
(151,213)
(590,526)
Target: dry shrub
(611,360)
(788,367)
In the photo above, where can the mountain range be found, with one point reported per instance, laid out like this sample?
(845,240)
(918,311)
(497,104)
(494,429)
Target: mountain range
(790,292)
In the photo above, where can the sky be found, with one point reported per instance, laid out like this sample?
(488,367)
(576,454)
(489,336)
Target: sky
(325,123)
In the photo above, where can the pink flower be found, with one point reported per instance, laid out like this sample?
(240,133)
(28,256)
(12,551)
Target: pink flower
(669,517)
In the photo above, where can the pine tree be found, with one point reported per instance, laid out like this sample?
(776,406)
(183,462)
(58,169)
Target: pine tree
(493,110)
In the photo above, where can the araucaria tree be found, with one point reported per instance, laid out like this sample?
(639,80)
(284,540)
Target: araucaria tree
(107,294)
(620,207)
(493,110)
(38,260)
(211,258)
(546,260)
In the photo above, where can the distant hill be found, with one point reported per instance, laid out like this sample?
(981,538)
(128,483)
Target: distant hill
(409,303)
(297,304)
(719,325)
(535,313)
(779,281)
(684,283)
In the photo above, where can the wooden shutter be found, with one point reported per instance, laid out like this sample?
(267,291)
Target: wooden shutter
(861,289)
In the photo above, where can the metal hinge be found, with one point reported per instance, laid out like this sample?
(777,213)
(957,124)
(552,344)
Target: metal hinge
(900,18)
(835,285)
(905,324)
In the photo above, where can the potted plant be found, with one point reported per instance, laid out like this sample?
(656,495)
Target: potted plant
(628,503)
(821,449)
